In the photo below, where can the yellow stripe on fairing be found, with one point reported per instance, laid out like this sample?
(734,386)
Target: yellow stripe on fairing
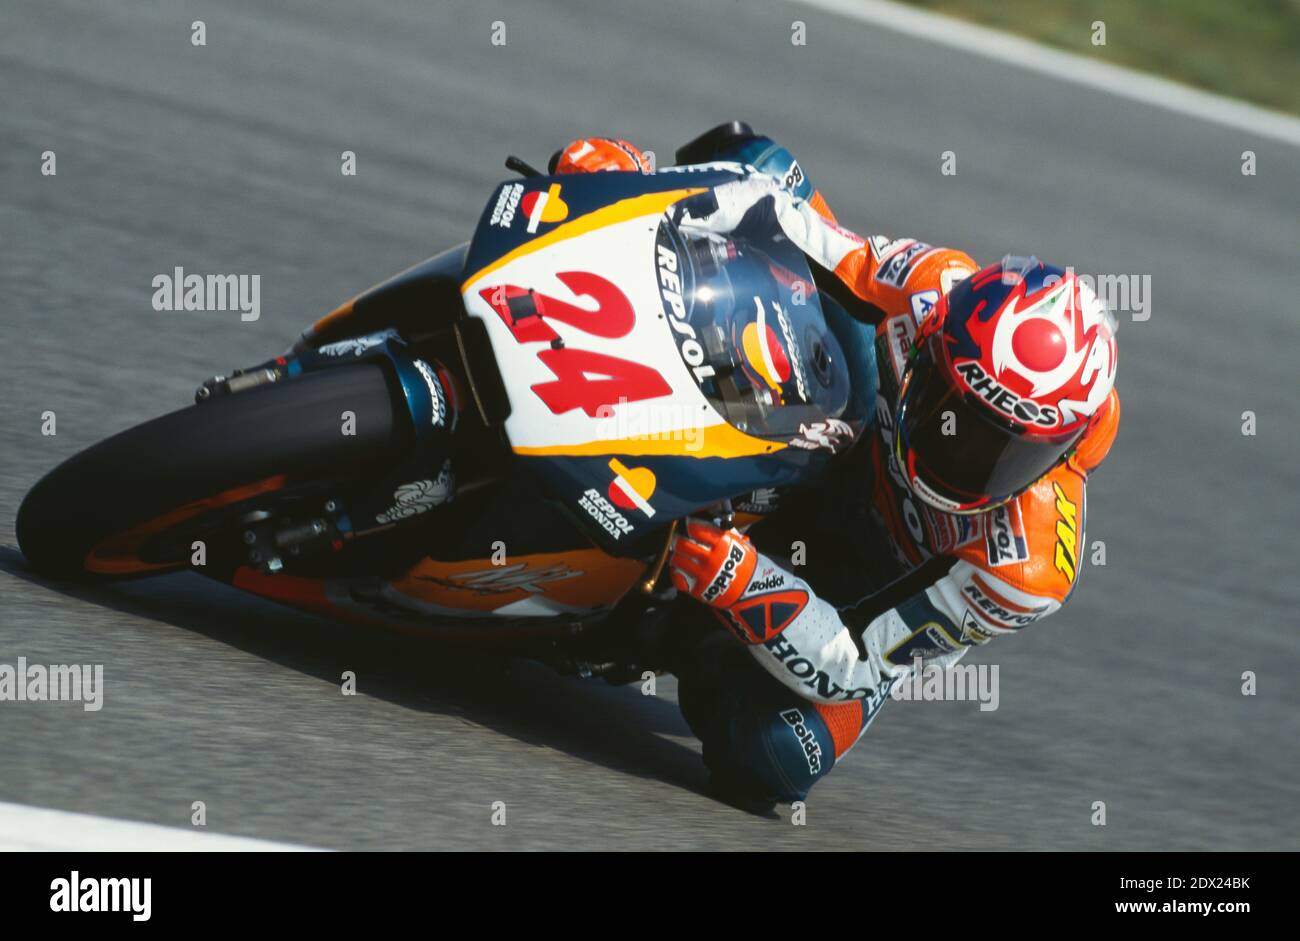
(718,441)
(631,208)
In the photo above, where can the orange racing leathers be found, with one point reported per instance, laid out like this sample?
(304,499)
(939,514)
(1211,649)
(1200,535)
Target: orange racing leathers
(898,583)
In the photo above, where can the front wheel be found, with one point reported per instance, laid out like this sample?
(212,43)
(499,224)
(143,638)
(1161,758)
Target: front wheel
(115,509)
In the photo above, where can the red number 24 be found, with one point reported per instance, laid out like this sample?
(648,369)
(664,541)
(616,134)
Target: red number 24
(583,379)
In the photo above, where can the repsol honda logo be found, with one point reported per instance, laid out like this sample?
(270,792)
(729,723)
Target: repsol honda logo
(723,579)
(503,213)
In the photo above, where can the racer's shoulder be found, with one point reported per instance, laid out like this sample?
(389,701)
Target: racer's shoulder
(1033,543)
(913,265)
(930,273)
(904,276)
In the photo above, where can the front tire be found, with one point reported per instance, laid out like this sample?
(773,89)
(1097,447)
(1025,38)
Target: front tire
(95,514)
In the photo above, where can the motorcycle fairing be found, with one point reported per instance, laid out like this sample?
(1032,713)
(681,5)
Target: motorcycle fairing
(564,269)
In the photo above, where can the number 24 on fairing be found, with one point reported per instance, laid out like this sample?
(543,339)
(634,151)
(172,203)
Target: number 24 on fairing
(525,314)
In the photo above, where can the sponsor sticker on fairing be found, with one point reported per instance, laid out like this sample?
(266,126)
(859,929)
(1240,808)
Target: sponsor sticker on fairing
(545,206)
(603,512)
(670,291)
(356,346)
(759,502)
(503,213)
(796,358)
(724,165)
(512,578)
(438,402)
(830,435)
(632,487)
(419,496)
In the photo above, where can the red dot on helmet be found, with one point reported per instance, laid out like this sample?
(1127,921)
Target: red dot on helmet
(1039,345)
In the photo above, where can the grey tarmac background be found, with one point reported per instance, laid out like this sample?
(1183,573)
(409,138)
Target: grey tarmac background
(226,159)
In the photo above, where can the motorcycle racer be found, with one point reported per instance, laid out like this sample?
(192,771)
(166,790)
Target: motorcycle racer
(994,401)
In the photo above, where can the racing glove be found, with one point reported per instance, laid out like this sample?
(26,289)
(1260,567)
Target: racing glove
(711,564)
(751,595)
(595,154)
(797,637)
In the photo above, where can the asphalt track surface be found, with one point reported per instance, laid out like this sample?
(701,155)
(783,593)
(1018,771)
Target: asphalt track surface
(226,159)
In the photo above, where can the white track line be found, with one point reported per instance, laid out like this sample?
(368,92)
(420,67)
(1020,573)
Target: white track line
(1068,66)
(35,829)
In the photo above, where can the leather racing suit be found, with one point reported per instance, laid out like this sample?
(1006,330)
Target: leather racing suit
(839,592)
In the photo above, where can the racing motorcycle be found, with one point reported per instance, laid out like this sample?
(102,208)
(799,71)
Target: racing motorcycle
(498,443)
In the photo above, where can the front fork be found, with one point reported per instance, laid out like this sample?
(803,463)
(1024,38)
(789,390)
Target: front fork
(424,480)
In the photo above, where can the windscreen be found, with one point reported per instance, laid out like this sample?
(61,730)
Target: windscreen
(749,325)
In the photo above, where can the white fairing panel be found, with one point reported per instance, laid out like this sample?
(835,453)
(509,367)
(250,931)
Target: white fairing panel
(622,253)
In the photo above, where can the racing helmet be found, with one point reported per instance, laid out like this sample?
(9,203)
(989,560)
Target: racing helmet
(1006,375)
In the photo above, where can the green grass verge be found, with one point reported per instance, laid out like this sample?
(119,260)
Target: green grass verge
(1244,48)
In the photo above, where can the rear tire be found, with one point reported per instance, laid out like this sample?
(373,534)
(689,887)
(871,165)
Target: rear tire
(209,455)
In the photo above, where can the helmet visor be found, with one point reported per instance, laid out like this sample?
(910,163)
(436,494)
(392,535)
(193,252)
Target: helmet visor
(956,453)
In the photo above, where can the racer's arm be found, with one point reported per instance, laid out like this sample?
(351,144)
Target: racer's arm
(796,636)
(889,274)
(989,587)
